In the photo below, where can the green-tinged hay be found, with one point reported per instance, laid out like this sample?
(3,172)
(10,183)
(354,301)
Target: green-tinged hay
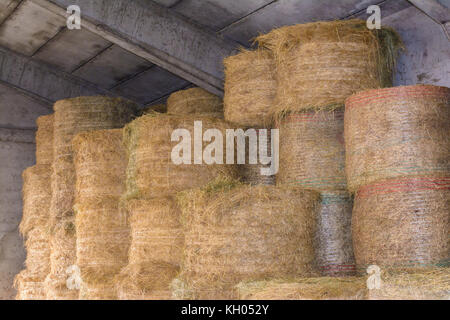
(422,284)
(325,288)
(159,108)
(149,281)
(397,132)
(28,287)
(98,291)
(156,233)
(100,164)
(37,194)
(44,140)
(195,101)
(402,222)
(334,251)
(151,171)
(37,261)
(251,173)
(320,64)
(312,151)
(237,232)
(250,88)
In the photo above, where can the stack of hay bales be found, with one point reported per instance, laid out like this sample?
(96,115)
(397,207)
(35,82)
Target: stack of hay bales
(102,228)
(318,66)
(36,213)
(155,252)
(250,88)
(73,116)
(195,101)
(236,232)
(398,164)
(323,288)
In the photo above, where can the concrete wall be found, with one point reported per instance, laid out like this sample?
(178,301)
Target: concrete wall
(18,114)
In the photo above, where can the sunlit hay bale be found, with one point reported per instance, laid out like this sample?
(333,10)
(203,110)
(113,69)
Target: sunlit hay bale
(415,284)
(402,222)
(320,64)
(195,101)
(334,249)
(151,171)
(37,194)
(147,281)
(238,232)
(104,290)
(397,132)
(325,288)
(37,261)
(250,88)
(28,287)
(44,140)
(312,152)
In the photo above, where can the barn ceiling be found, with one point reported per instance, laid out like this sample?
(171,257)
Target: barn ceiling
(141,49)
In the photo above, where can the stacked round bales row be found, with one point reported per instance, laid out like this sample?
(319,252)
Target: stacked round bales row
(153,179)
(102,228)
(237,232)
(250,89)
(73,116)
(398,164)
(34,226)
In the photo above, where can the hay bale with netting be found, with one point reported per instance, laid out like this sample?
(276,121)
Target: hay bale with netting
(195,101)
(44,140)
(325,288)
(402,222)
(37,194)
(29,287)
(147,281)
(251,173)
(334,251)
(397,132)
(320,64)
(236,232)
(407,284)
(151,171)
(312,151)
(250,88)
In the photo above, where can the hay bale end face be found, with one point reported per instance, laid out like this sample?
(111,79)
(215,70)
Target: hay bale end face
(195,101)
(235,232)
(397,132)
(250,88)
(320,64)
(402,222)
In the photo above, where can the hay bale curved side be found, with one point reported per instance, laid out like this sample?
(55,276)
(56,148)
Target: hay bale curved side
(151,172)
(44,140)
(402,222)
(312,151)
(238,232)
(395,132)
(195,101)
(320,64)
(250,88)
(334,249)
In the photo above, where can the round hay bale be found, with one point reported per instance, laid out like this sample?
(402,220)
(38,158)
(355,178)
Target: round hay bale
(402,222)
(320,64)
(422,284)
(37,194)
(349,288)
(334,250)
(156,232)
(149,281)
(37,261)
(397,132)
(238,232)
(28,287)
(160,108)
(151,172)
(44,140)
(251,173)
(312,152)
(98,291)
(195,101)
(250,87)
(56,288)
